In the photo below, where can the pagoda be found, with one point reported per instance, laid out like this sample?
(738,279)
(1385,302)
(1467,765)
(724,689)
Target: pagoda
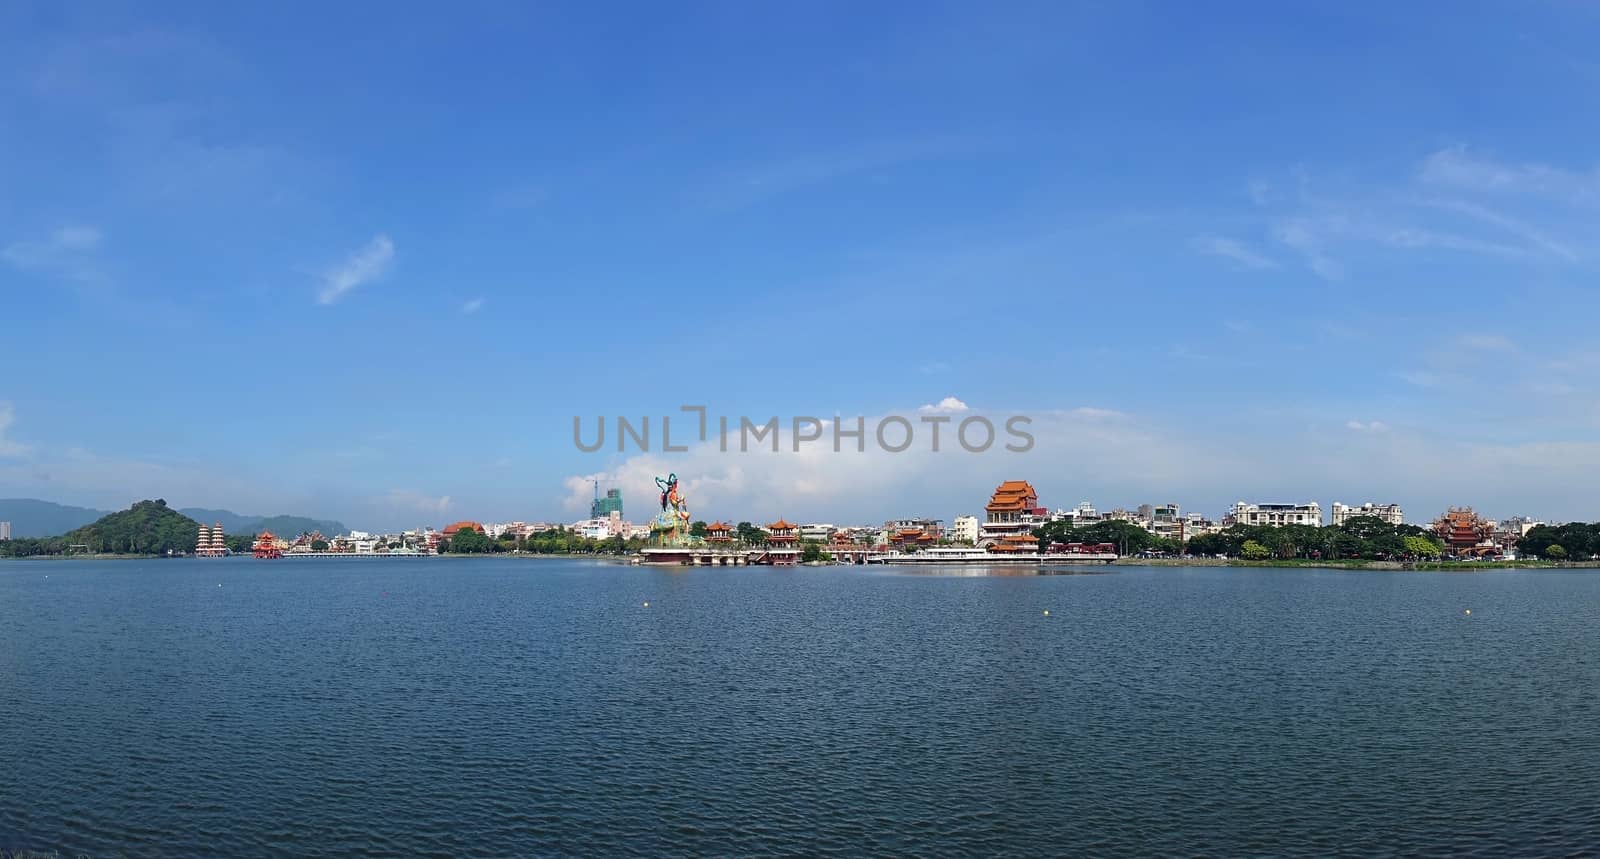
(266,546)
(1012,511)
(210,543)
(719,533)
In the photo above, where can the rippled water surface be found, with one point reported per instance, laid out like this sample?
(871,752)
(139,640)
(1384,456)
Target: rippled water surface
(534,707)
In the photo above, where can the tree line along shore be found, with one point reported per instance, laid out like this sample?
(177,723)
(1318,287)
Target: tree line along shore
(151,529)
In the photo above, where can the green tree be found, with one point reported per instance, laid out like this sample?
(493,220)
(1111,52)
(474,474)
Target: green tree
(469,541)
(1421,547)
(1253,551)
(697,528)
(319,545)
(811,550)
(1555,552)
(750,534)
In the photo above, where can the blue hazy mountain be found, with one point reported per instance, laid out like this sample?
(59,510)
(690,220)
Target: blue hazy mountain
(30,517)
(235,523)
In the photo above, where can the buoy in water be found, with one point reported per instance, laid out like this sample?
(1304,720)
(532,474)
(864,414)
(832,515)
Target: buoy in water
(1469,611)
(1047,612)
(646,603)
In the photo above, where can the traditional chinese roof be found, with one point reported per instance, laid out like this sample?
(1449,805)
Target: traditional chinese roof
(719,525)
(780,525)
(1013,495)
(457,526)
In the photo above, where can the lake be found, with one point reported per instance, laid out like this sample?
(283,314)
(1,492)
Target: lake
(517,707)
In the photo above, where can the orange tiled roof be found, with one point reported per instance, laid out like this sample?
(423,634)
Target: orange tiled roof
(718,525)
(780,525)
(452,528)
(1013,495)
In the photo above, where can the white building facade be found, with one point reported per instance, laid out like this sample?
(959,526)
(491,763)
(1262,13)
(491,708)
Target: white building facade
(1390,513)
(964,528)
(1277,515)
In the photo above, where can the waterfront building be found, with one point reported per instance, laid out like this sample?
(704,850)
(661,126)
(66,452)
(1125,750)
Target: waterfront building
(910,539)
(1015,544)
(1276,515)
(266,546)
(719,533)
(210,544)
(5,530)
(1509,532)
(818,532)
(1165,521)
(1195,524)
(592,529)
(1012,510)
(964,529)
(1465,533)
(783,543)
(1390,513)
(782,535)
(451,529)
(934,527)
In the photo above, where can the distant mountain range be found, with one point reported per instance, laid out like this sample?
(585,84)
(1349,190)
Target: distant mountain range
(283,526)
(30,517)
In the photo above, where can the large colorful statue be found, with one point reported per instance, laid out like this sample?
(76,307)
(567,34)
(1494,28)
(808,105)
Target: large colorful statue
(671,525)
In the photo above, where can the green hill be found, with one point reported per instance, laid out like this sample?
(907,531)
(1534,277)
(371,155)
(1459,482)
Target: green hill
(146,528)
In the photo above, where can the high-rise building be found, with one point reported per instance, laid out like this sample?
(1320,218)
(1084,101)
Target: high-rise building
(602,508)
(5,530)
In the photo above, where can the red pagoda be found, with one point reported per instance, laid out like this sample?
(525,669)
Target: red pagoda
(266,546)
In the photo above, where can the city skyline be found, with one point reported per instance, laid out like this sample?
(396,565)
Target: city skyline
(1279,255)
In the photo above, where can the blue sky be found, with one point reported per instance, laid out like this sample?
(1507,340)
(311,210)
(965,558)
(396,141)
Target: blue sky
(368,261)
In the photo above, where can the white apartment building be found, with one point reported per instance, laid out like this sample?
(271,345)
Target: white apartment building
(5,530)
(1277,515)
(1390,513)
(817,531)
(964,528)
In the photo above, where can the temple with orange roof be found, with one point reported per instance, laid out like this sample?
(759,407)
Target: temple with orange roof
(719,532)
(1013,511)
(1465,533)
(783,543)
(266,546)
(910,539)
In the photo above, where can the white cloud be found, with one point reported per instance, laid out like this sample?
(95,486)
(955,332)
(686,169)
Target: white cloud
(1486,342)
(412,501)
(1092,413)
(946,405)
(472,306)
(8,447)
(1369,426)
(364,266)
(1458,167)
(1233,251)
(1075,447)
(68,251)
(1303,237)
